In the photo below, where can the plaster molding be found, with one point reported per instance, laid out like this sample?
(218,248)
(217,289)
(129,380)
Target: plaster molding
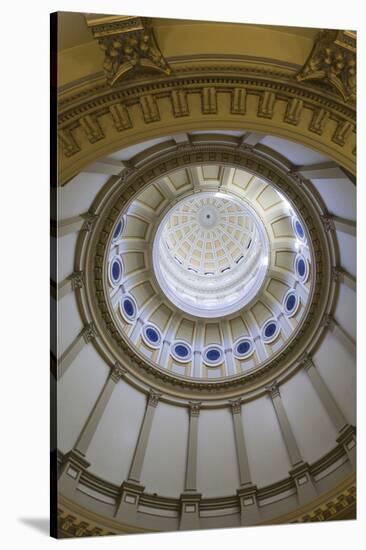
(256,96)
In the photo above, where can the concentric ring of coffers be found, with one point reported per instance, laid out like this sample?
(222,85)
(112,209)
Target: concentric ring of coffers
(191,227)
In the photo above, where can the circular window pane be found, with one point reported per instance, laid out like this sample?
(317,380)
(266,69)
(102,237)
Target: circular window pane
(151,336)
(302,269)
(299,230)
(115,270)
(291,303)
(181,351)
(118,230)
(270,330)
(243,348)
(128,308)
(213,356)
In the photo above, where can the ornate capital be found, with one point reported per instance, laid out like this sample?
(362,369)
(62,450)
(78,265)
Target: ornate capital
(117,372)
(336,274)
(327,222)
(89,332)
(194,408)
(273,390)
(77,280)
(306,361)
(153,398)
(327,321)
(236,406)
(129,46)
(332,63)
(89,222)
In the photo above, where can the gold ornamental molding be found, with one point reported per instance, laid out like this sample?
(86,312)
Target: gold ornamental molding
(129,46)
(332,63)
(337,504)
(95,120)
(93,246)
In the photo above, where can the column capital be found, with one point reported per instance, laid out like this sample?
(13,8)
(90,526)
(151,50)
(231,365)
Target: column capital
(194,408)
(336,274)
(90,221)
(235,405)
(306,361)
(77,280)
(153,398)
(117,372)
(328,222)
(273,389)
(89,332)
(328,321)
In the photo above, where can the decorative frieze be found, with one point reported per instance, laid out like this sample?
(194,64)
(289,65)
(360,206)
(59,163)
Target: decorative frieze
(91,128)
(319,121)
(121,118)
(238,101)
(266,104)
(342,132)
(209,101)
(149,108)
(68,143)
(179,103)
(293,111)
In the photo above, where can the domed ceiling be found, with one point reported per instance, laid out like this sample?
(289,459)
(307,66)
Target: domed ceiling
(209,271)
(206,289)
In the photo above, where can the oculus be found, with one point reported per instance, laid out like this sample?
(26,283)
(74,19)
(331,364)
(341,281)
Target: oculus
(210,254)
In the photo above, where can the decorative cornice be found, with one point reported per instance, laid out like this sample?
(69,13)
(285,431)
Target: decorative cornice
(118,112)
(332,62)
(129,46)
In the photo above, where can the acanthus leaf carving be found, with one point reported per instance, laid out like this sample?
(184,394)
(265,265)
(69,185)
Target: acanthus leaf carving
(332,62)
(129,46)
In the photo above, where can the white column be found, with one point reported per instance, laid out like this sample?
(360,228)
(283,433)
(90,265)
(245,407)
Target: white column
(88,334)
(74,462)
(190,499)
(140,450)
(299,472)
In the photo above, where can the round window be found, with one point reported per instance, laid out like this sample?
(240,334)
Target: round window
(270,330)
